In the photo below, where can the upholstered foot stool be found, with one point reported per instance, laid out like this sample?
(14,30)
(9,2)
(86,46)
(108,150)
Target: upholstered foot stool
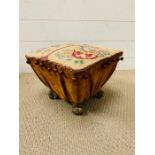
(74,72)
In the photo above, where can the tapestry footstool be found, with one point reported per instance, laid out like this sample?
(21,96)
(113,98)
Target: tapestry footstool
(74,72)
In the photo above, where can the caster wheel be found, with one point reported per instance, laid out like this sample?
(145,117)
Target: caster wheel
(77,110)
(99,94)
(53,95)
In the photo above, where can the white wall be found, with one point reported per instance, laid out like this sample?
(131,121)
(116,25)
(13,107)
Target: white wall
(105,22)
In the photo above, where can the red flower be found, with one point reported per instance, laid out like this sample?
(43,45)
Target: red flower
(83,55)
(78,52)
(89,55)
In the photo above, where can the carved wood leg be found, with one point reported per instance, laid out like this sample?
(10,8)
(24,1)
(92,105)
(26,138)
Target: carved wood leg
(53,95)
(99,94)
(77,110)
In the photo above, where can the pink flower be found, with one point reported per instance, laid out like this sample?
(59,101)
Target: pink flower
(89,55)
(83,55)
(78,52)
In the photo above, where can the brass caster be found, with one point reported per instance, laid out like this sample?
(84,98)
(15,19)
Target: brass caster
(77,110)
(99,94)
(53,95)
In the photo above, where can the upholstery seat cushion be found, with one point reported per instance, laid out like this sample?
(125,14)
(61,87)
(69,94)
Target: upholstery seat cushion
(76,56)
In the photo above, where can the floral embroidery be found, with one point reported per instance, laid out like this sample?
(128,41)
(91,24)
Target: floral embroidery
(76,54)
(84,55)
(103,53)
(78,61)
(66,56)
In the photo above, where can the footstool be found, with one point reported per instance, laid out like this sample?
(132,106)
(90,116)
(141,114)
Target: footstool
(74,72)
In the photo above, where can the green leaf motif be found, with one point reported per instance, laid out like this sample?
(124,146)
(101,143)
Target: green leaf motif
(81,61)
